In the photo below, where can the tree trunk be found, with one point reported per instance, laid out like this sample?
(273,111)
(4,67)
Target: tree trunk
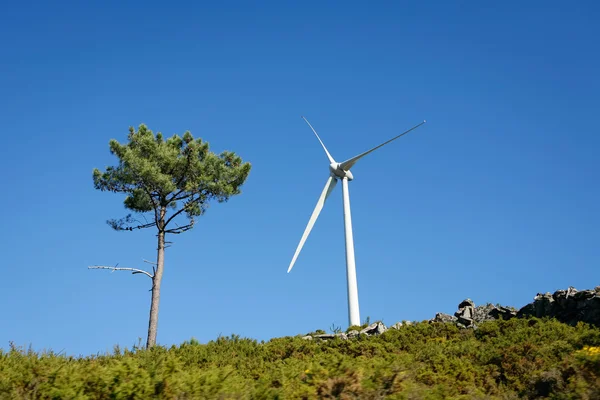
(160,262)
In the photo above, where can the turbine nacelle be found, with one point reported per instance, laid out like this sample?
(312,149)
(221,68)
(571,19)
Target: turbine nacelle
(338,172)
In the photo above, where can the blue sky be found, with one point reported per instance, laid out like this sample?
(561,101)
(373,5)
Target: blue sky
(495,198)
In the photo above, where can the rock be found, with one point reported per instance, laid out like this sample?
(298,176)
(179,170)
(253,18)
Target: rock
(465,312)
(558,294)
(571,291)
(368,329)
(376,328)
(352,334)
(569,306)
(325,336)
(502,313)
(482,313)
(465,303)
(543,305)
(469,315)
(444,318)
(584,295)
(525,311)
(489,312)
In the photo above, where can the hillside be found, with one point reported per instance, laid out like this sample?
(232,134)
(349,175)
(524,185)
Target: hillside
(500,359)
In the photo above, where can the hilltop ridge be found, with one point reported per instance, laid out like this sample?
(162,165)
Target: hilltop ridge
(569,306)
(482,352)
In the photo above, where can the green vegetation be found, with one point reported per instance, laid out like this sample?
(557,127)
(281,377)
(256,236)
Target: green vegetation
(519,358)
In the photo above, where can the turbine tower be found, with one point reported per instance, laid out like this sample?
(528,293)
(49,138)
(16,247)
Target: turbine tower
(342,172)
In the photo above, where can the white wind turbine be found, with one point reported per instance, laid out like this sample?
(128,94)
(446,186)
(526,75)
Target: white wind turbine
(342,171)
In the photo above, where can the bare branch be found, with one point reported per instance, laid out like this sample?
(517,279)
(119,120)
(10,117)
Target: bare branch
(126,224)
(148,225)
(115,268)
(181,229)
(201,198)
(174,197)
(149,262)
(154,205)
(174,215)
(141,225)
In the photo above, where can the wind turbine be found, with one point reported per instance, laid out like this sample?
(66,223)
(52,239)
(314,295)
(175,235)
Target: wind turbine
(342,172)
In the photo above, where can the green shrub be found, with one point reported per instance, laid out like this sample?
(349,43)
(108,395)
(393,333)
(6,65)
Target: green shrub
(518,358)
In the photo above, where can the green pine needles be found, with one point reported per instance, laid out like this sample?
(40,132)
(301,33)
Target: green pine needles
(172,180)
(179,174)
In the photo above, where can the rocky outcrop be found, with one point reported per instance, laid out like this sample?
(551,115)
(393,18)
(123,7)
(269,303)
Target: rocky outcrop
(444,318)
(569,306)
(352,334)
(469,315)
(501,312)
(374,329)
(465,313)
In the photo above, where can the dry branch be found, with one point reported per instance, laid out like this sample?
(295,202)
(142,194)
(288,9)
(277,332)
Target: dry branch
(113,269)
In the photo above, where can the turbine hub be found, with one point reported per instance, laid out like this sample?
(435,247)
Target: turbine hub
(337,171)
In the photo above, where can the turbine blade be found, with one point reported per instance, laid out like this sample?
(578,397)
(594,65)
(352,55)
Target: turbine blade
(313,218)
(331,186)
(324,148)
(346,165)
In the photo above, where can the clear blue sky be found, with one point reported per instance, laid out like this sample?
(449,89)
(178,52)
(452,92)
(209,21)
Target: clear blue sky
(496,198)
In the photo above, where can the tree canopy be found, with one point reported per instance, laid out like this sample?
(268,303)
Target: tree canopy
(179,174)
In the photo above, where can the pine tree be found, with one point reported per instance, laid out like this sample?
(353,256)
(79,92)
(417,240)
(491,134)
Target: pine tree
(172,180)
